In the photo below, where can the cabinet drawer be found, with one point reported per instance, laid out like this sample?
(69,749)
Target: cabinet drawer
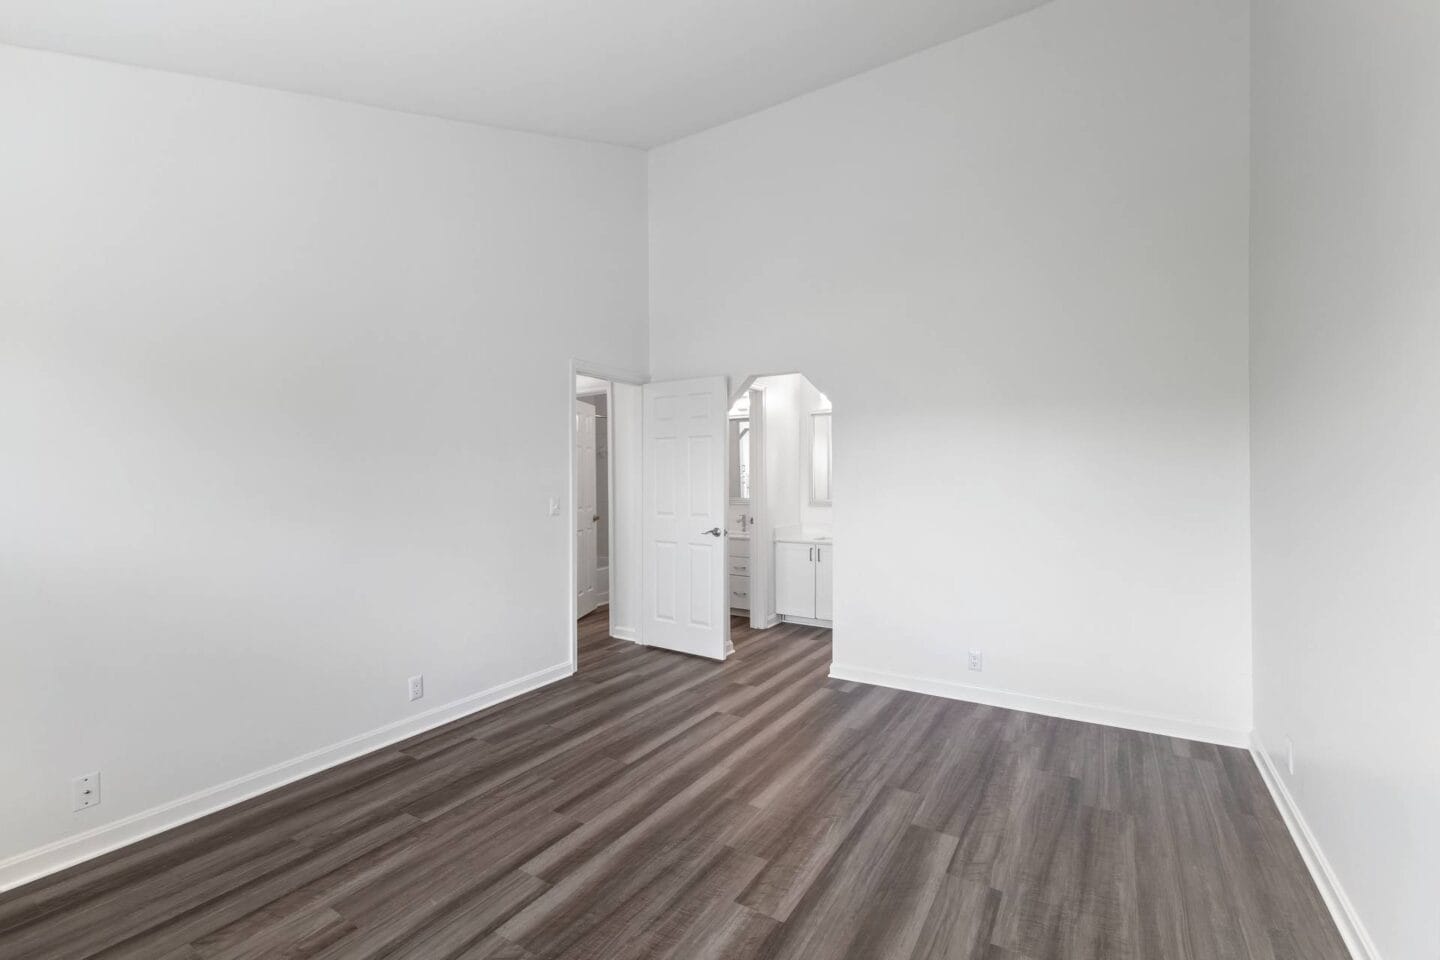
(740,593)
(739,566)
(737,548)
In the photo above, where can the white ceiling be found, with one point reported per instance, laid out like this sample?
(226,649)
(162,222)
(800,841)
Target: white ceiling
(635,72)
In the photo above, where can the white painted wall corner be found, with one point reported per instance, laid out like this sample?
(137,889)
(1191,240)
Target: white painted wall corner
(1352,930)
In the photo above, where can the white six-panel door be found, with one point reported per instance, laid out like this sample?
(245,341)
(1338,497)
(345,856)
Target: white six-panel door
(586,534)
(683,502)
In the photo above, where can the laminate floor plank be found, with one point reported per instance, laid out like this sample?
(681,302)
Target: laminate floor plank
(959,923)
(661,807)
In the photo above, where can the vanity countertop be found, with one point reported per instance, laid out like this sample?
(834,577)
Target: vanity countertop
(739,536)
(809,538)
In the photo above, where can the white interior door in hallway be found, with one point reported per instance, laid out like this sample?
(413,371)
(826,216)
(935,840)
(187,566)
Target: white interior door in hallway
(683,505)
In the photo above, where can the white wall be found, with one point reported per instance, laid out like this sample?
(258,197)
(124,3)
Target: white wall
(1018,264)
(779,475)
(280,409)
(782,449)
(1346,452)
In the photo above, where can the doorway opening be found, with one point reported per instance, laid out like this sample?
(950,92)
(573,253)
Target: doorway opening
(592,494)
(603,507)
(698,511)
(781,548)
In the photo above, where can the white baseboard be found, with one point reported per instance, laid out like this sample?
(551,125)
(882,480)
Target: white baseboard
(1352,931)
(42,861)
(1064,709)
(625,633)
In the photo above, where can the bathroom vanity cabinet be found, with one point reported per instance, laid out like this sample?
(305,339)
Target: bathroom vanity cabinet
(804,585)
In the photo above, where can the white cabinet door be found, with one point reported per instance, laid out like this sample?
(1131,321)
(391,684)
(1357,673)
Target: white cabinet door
(794,580)
(824,582)
(683,504)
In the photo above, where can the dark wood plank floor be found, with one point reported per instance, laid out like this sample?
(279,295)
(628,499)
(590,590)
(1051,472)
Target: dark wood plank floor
(660,806)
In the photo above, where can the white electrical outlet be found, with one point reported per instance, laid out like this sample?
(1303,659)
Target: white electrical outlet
(417,687)
(977,661)
(85,791)
(1290,755)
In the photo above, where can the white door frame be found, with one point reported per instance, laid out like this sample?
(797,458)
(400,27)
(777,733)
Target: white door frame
(612,374)
(762,559)
(587,520)
(761,539)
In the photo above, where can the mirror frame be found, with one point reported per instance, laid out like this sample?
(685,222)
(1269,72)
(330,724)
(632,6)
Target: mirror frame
(829,460)
(730,421)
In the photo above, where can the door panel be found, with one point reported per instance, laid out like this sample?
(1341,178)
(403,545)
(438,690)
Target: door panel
(824,582)
(794,580)
(683,501)
(586,541)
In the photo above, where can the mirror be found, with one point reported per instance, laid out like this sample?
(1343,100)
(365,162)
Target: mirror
(821,461)
(740,458)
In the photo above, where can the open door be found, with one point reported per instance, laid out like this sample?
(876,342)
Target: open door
(586,511)
(684,604)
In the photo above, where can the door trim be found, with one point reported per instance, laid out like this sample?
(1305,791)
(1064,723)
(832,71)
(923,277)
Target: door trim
(586,411)
(608,372)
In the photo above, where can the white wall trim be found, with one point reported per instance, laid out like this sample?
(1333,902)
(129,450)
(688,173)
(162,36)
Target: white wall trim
(42,861)
(625,633)
(762,577)
(1352,930)
(1064,709)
